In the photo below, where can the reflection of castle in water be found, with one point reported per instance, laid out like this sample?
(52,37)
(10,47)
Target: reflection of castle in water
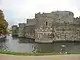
(3,40)
(2,44)
(24,40)
(23,45)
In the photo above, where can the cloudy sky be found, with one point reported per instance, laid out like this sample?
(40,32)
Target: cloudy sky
(17,11)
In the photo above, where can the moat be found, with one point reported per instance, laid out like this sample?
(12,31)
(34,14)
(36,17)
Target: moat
(15,44)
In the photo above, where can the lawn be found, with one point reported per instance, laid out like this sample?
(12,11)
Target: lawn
(29,54)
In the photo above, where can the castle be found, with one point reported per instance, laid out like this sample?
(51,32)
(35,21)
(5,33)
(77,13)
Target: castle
(50,27)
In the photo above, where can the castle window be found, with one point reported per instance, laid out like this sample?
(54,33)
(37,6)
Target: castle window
(46,23)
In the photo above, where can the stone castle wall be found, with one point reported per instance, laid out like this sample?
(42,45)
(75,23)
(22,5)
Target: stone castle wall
(77,20)
(30,31)
(30,22)
(21,32)
(54,26)
(14,30)
(45,29)
(67,32)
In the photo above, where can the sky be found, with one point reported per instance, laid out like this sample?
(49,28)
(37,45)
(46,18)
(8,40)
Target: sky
(17,11)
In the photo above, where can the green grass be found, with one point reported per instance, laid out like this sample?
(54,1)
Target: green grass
(35,54)
(29,54)
(73,53)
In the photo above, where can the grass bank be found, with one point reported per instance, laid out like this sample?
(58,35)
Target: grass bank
(35,54)
(73,53)
(29,54)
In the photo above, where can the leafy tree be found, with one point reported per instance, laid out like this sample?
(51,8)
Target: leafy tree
(3,23)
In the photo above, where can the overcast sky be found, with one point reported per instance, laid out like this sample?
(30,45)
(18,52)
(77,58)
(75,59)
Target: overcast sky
(17,11)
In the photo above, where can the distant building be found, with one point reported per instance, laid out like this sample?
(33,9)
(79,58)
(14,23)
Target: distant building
(14,30)
(21,31)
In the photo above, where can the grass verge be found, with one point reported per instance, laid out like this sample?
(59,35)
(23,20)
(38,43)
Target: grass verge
(73,53)
(29,54)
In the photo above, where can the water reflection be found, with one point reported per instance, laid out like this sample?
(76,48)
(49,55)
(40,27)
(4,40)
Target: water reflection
(26,45)
(2,40)
(13,37)
(24,40)
(16,44)
(2,44)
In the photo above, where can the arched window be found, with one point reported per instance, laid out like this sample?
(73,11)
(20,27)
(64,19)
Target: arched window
(46,23)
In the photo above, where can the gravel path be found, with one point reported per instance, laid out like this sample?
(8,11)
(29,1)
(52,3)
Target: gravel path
(50,57)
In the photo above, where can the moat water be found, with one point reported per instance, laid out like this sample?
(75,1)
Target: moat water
(15,44)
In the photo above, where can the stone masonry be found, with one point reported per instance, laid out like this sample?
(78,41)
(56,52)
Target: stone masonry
(54,26)
(30,31)
(21,31)
(14,30)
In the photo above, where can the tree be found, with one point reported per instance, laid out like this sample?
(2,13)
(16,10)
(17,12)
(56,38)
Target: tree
(3,23)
